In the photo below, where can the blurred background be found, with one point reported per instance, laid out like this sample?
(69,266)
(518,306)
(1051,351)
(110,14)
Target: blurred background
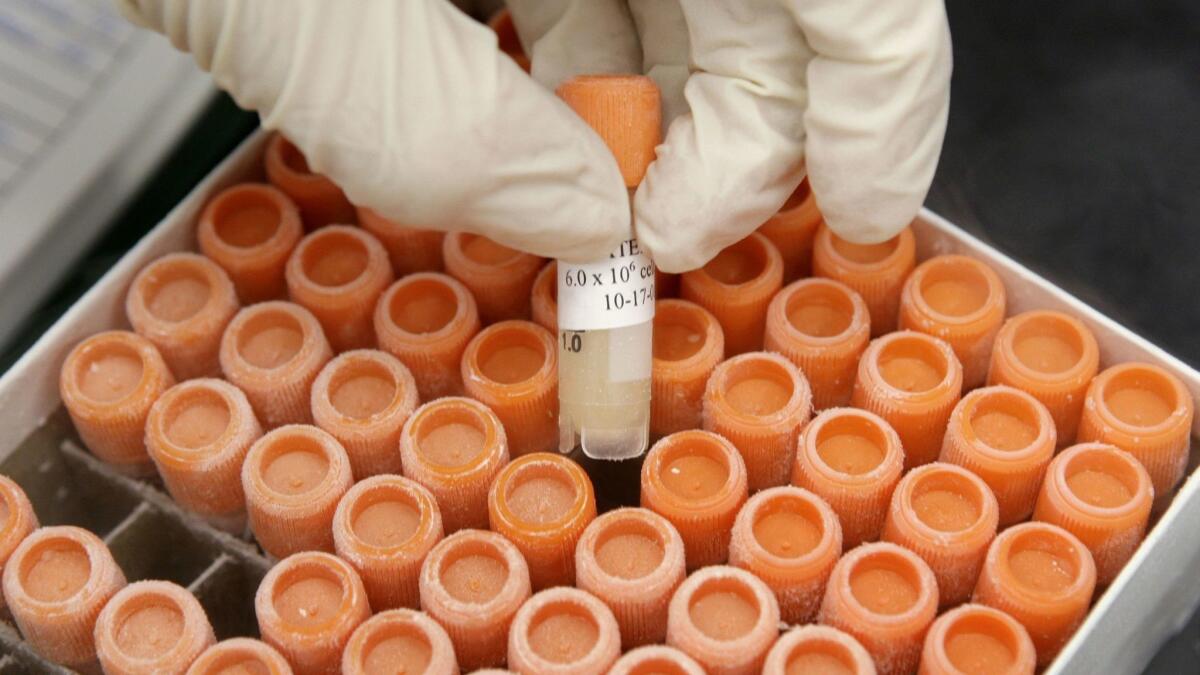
(1073,146)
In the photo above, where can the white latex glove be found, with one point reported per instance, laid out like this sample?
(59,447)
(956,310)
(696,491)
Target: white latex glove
(857,90)
(410,108)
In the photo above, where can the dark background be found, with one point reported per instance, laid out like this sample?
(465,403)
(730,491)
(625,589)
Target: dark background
(1073,146)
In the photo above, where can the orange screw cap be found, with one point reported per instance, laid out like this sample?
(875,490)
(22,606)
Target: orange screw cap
(512,367)
(960,300)
(198,433)
(875,271)
(1147,412)
(948,516)
(1101,495)
(789,538)
(793,231)
(1042,576)
(633,560)
(55,585)
(813,650)
(108,383)
(182,302)
(697,481)
(885,597)
(273,351)
(151,628)
(736,286)
(852,459)
(823,327)
(542,502)
(250,229)
(688,345)
(724,617)
(977,639)
(363,398)
(384,527)
(913,381)
(338,274)
(760,402)
(307,606)
(426,320)
(1006,437)
(1052,356)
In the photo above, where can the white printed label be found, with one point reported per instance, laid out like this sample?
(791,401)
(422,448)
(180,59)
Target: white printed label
(611,293)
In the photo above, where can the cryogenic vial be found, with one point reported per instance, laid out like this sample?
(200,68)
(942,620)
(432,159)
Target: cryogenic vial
(606,308)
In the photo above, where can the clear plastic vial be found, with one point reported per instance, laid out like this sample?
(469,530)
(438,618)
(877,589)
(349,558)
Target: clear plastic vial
(606,308)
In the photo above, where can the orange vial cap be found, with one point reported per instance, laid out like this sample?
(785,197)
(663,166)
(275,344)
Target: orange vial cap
(818,650)
(307,606)
(697,481)
(913,381)
(273,351)
(238,655)
(250,230)
(793,230)
(633,560)
(454,447)
(321,202)
(1042,576)
(885,597)
(55,585)
(1147,412)
(544,297)
(852,459)
(790,538)
(500,278)
(1006,437)
(1102,496)
(108,383)
(512,367)
(293,478)
(736,286)
(338,274)
(628,108)
(384,527)
(1052,356)
(17,520)
(948,516)
(563,631)
(875,271)
(399,641)
(506,37)
(823,327)
(977,639)
(411,249)
(760,402)
(656,660)
(426,320)
(182,303)
(960,300)
(363,398)
(472,583)
(688,345)
(724,617)
(198,434)
(542,502)
(152,627)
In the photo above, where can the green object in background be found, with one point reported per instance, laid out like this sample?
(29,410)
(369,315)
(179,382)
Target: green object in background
(217,131)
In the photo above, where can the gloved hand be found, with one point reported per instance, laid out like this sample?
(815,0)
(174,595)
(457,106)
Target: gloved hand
(857,91)
(410,108)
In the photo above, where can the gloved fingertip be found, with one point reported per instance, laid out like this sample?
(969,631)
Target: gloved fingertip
(859,228)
